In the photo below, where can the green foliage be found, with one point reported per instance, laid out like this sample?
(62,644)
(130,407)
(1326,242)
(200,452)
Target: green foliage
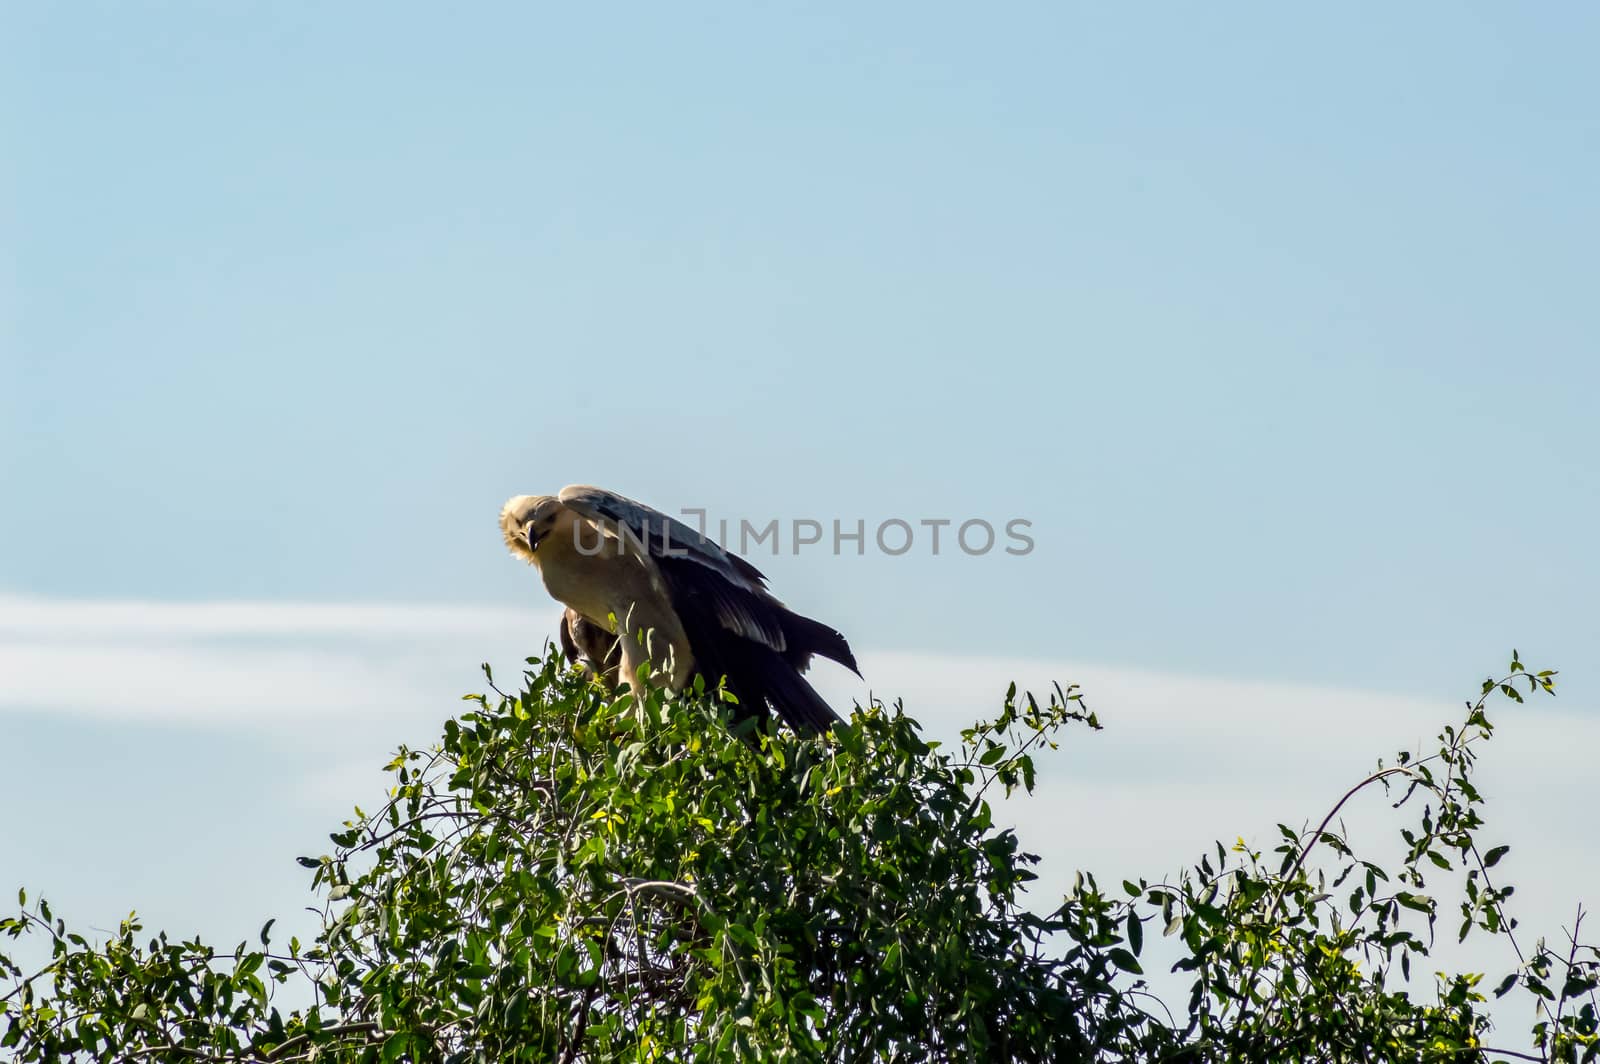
(570,876)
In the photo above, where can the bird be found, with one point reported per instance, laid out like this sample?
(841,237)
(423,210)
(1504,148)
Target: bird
(646,591)
(591,645)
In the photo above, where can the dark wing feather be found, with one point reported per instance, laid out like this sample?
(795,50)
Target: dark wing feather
(805,637)
(750,614)
(762,676)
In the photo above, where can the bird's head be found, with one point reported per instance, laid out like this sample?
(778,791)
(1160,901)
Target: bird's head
(526,520)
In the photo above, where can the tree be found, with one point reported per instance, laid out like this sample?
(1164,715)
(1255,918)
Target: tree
(570,876)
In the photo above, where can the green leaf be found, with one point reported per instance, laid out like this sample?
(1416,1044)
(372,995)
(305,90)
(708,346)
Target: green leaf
(395,1047)
(1124,960)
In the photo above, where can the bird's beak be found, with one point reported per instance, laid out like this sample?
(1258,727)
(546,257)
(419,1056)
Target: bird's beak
(528,536)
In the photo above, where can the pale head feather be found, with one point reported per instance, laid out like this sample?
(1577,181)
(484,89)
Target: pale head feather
(514,518)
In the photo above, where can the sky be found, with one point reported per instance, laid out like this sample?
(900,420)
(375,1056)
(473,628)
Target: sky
(1275,326)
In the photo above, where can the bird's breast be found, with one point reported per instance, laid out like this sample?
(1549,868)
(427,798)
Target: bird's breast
(584,587)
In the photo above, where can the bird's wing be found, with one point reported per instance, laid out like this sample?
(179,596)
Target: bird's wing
(663,536)
(694,572)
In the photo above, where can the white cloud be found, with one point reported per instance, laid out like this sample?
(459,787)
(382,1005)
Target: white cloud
(32,618)
(253,665)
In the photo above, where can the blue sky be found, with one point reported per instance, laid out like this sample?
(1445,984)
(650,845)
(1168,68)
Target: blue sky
(1278,326)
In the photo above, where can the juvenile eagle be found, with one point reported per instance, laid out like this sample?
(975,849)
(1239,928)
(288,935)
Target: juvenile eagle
(641,587)
(593,644)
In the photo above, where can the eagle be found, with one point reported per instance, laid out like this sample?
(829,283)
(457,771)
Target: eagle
(645,590)
(592,645)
